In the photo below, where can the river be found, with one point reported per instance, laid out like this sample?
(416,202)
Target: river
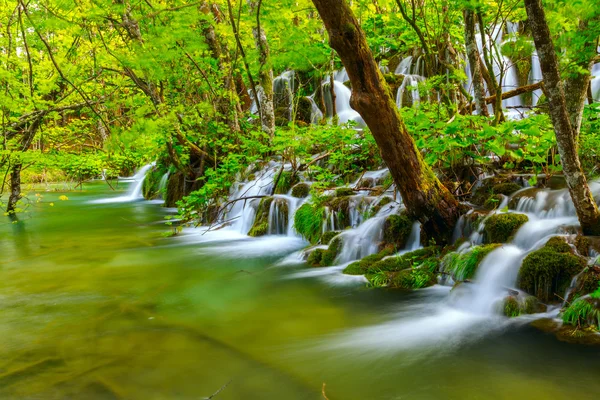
(97,303)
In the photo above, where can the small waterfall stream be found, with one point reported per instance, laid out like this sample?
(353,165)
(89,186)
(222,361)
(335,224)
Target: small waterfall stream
(134,192)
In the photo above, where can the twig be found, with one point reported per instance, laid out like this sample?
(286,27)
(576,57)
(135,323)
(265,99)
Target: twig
(218,391)
(323,392)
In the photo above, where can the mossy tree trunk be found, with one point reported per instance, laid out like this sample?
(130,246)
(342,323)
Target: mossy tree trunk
(265,74)
(473,55)
(15,187)
(426,199)
(566,132)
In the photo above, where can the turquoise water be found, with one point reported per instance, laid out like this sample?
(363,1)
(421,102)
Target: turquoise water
(96,303)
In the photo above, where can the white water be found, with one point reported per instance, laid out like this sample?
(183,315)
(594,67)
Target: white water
(134,191)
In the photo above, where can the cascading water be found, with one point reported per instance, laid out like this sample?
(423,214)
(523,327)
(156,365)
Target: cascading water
(281,215)
(283,91)
(162,185)
(408,92)
(135,189)
(345,113)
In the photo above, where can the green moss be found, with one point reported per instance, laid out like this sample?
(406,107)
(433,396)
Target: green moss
(361,267)
(341,207)
(308,221)
(492,187)
(260,227)
(463,266)
(547,273)
(327,236)
(511,307)
(559,245)
(414,278)
(285,182)
(532,305)
(315,257)
(150,186)
(506,188)
(382,203)
(339,192)
(428,256)
(500,227)
(396,230)
(492,202)
(301,190)
(332,252)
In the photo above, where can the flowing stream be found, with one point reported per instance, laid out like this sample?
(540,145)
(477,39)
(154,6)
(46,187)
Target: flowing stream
(97,303)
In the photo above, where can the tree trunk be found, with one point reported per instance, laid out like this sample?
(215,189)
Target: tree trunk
(265,77)
(15,187)
(425,198)
(587,210)
(473,55)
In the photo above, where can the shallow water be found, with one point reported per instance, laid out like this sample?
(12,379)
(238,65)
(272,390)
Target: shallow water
(95,303)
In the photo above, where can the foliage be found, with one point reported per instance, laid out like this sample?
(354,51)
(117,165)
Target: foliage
(308,221)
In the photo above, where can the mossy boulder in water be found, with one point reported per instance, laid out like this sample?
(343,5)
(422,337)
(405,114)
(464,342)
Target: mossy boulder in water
(325,257)
(491,188)
(301,190)
(327,236)
(547,273)
(360,267)
(499,228)
(304,110)
(396,230)
(462,266)
(340,206)
(260,227)
(511,307)
(428,255)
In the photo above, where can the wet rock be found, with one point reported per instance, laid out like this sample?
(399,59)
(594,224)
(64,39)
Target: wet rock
(301,190)
(499,228)
(327,236)
(260,227)
(547,273)
(396,230)
(586,244)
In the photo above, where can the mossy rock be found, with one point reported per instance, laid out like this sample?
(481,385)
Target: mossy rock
(588,282)
(151,184)
(586,243)
(412,279)
(304,110)
(499,228)
(315,257)
(301,190)
(511,307)
(529,193)
(381,203)
(377,190)
(332,252)
(396,230)
(339,192)
(583,312)
(462,266)
(286,180)
(341,207)
(428,255)
(260,227)
(494,186)
(327,236)
(568,333)
(493,202)
(559,244)
(547,273)
(361,267)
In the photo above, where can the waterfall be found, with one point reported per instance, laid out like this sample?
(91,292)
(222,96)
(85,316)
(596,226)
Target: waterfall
(345,113)
(596,82)
(408,92)
(281,215)
(404,67)
(283,91)
(535,75)
(134,191)
(315,113)
(162,185)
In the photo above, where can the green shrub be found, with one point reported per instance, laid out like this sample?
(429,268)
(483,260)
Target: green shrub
(583,312)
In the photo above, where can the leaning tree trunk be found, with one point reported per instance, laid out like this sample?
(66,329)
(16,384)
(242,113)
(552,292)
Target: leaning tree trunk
(425,198)
(15,187)
(587,210)
(473,56)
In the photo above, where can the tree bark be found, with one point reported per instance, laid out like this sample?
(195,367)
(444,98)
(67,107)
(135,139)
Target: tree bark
(425,198)
(587,210)
(15,187)
(473,56)
(265,77)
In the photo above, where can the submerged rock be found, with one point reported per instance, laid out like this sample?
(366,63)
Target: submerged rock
(499,228)
(547,273)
